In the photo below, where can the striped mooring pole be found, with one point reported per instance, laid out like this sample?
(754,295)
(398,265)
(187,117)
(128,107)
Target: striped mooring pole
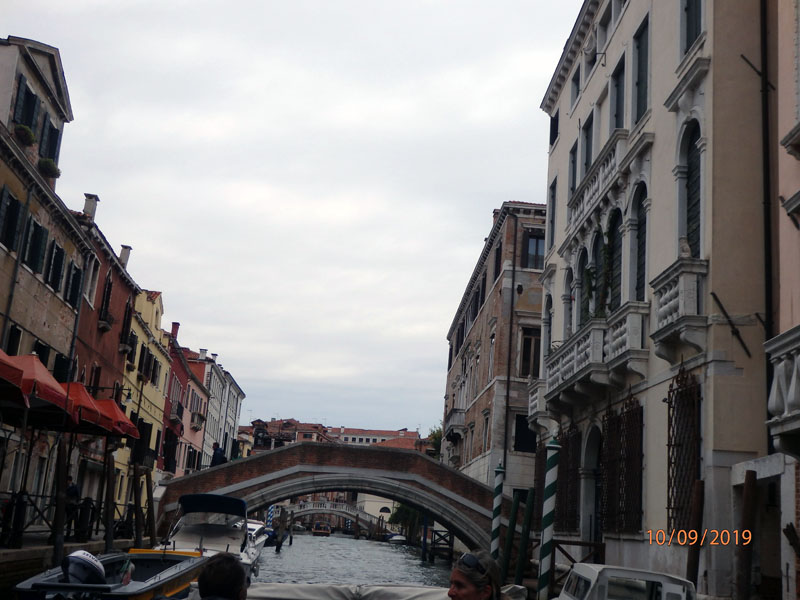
(496,506)
(270,514)
(548,518)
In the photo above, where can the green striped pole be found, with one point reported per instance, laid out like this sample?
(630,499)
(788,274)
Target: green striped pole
(497,505)
(548,517)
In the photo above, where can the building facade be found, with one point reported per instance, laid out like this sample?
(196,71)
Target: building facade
(653,373)
(494,351)
(368,437)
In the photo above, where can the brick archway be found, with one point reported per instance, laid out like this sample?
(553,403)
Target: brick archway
(460,503)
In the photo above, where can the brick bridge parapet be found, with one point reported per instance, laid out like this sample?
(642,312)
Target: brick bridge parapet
(457,501)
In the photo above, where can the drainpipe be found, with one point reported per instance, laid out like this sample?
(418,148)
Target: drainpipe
(766,179)
(20,251)
(510,339)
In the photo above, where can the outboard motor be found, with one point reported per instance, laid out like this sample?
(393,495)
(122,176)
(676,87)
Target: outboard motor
(83,567)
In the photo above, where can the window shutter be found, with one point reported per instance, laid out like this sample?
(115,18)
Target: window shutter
(615,255)
(58,268)
(526,241)
(641,248)
(641,72)
(20,105)
(42,249)
(45,136)
(693,193)
(14,226)
(35,116)
(48,265)
(4,202)
(56,133)
(26,241)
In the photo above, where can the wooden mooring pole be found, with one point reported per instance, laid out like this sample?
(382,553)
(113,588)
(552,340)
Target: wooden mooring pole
(509,545)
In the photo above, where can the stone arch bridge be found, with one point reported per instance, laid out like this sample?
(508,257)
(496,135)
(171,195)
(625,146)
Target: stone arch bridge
(458,502)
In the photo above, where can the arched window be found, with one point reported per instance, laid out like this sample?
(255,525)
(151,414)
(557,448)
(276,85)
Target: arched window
(547,321)
(615,260)
(584,289)
(599,291)
(693,189)
(641,241)
(568,301)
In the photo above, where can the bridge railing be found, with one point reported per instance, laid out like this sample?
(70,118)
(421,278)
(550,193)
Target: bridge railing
(323,506)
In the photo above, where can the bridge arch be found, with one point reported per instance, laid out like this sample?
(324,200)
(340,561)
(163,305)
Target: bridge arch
(457,501)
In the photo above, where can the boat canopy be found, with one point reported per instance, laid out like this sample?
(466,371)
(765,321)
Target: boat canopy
(215,503)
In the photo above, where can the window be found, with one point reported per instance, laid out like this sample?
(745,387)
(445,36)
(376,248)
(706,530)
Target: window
(586,283)
(641,242)
(573,168)
(554,128)
(54,266)
(498,260)
(693,190)
(599,284)
(533,250)
(588,128)
(640,44)
(36,246)
(104,305)
(547,321)
(10,210)
(618,96)
(602,28)
(72,287)
(524,438)
(42,350)
(49,140)
(615,260)
(94,380)
(306,436)
(529,362)
(485,433)
(483,288)
(91,281)
(692,16)
(551,215)
(61,368)
(491,357)
(576,86)
(13,341)
(26,109)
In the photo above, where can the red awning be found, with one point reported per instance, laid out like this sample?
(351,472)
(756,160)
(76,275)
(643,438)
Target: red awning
(122,424)
(81,401)
(47,400)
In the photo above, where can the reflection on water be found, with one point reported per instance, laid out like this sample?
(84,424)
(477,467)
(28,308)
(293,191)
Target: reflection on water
(345,560)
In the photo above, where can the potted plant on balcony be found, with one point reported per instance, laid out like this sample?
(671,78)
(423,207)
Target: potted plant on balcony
(24,135)
(48,168)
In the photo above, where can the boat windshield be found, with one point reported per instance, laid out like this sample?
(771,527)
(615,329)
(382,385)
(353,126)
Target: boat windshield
(211,531)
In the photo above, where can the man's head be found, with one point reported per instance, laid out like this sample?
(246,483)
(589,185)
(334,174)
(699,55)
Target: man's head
(69,479)
(215,445)
(223,576)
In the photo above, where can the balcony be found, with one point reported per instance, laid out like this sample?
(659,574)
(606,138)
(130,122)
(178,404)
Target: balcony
(105,321)
(455,425)
(784,395)
(577,367)
(600,178)
(680,320)
(625,349)
(176,413)
(197,421)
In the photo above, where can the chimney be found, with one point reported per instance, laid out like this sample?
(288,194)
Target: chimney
(214,356)
(174,332)
(90,205)
(124,255)
(203,353)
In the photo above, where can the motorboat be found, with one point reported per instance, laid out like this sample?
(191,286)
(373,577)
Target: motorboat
(258,532)
(321,528)
(136,574)
(397,539)
(212,523)
(604,582)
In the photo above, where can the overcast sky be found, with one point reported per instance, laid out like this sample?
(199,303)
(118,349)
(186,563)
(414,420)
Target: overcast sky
(309,183)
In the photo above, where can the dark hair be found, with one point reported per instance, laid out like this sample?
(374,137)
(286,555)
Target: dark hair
(481,570)
(223,576)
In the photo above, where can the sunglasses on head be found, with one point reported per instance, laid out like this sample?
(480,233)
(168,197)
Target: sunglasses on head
(471,562)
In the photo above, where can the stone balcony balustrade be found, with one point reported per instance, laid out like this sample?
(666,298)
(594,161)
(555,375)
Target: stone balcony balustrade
(625,350)
(455,424)
(600,178)
(578,364)
(784,395)
(679,313)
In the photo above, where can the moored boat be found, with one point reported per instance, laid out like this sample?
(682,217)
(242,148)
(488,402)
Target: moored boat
(212,523)
(396,539)
(141,575)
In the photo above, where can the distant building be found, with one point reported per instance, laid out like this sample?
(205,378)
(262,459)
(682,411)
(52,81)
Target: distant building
(268,435)
(367,437)
(494,343)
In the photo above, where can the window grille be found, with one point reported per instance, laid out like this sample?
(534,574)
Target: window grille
(683,446)
(567,486)
(622,468)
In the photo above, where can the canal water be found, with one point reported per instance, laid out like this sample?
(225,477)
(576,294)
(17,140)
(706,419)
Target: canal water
(340,559)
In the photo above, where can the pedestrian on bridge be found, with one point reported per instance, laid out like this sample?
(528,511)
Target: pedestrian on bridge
(217,456)
(476,576)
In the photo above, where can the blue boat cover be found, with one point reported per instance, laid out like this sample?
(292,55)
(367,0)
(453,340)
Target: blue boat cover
(215,503)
